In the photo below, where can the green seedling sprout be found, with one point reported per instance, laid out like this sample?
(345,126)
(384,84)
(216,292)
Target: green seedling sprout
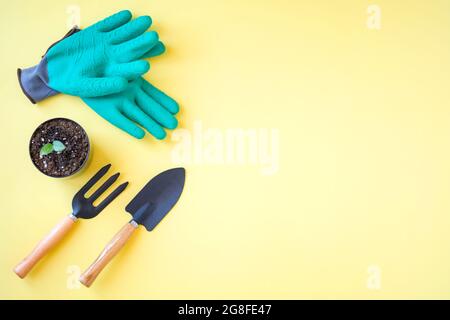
(48,148)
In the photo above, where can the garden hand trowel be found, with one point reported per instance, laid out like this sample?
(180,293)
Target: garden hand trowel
(82,208)
(148,208)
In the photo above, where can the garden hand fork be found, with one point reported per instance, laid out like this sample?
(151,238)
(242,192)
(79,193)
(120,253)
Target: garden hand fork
(82,208)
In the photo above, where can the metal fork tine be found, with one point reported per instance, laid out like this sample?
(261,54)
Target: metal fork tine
(108,183)
(100,173)
(111,197)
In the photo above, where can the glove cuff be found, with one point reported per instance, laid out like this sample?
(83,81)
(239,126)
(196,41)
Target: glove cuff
(33,82)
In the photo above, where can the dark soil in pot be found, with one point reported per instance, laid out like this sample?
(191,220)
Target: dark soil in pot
(75,147)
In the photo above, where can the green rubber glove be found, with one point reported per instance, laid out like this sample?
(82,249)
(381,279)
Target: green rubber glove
(93,62)
(141,104)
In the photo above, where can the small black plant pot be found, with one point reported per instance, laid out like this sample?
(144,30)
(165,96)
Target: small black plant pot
(65,163)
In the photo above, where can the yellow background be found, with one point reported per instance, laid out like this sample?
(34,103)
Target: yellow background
(364,169)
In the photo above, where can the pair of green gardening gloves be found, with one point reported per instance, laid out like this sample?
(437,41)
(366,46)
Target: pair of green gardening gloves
(103,65)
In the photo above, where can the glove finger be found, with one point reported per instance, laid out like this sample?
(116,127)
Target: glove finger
(157,50)
(130,30)
(116,20)
(122,122)
(159,96)
(134,49)
(133,112)
(96,87)
(155,110)
(129,70)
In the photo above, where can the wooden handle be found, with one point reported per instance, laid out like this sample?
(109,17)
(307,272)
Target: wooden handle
(45,245)
(110,251)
